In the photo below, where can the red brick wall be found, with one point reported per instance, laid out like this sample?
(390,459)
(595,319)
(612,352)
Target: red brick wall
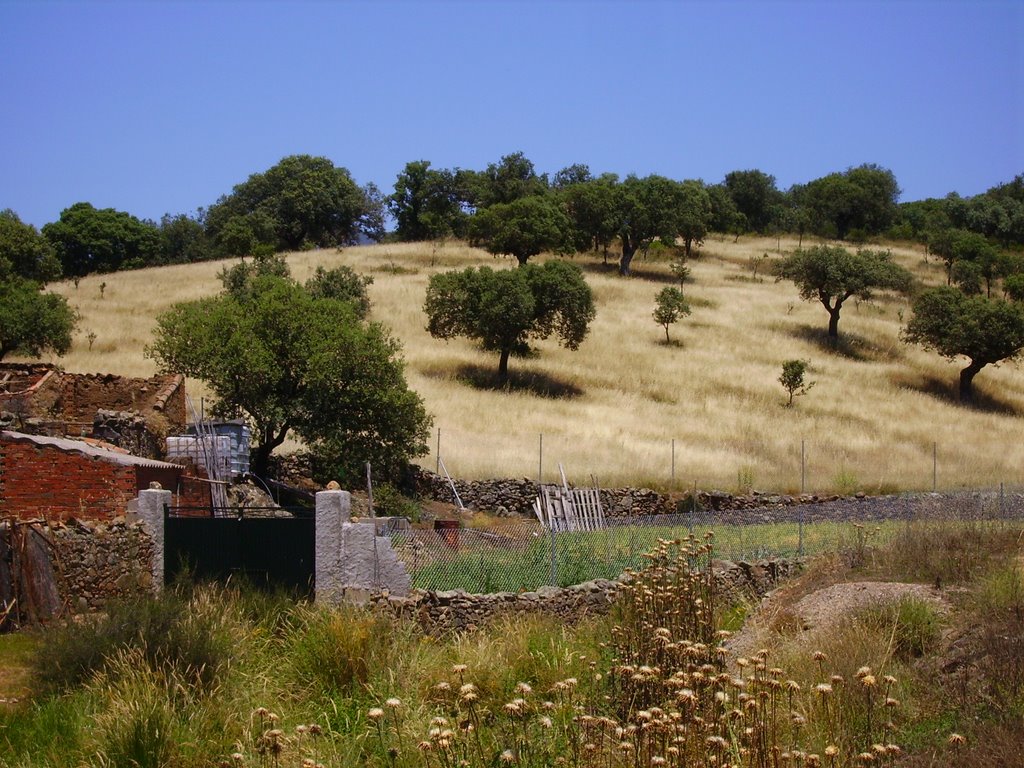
(45,482)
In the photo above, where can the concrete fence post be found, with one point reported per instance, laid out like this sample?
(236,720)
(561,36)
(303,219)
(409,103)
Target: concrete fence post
(151,512)
(333,510)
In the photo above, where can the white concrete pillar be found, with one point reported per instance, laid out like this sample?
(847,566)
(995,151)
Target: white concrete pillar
(151,512)
(333,510)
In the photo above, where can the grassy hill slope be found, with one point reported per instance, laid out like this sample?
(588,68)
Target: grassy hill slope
(613,409)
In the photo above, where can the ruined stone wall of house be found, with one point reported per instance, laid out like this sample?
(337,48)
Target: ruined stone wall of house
(135,414)
(101,561)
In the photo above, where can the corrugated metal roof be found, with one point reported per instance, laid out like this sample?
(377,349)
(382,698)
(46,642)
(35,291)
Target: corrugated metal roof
(93,451)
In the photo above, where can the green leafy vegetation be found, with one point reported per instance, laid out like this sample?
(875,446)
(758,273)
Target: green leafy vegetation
(343,686)
(504,310)
(299,358)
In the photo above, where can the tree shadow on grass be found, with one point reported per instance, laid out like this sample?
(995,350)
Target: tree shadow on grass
(848,345)
(528,382)
(671,343)
(947,390)
(647,273)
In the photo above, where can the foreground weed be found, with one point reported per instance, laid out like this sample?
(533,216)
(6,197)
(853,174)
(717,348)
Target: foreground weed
(195,636)
(661,693)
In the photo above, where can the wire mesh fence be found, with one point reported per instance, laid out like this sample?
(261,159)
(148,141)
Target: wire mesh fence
(520,554)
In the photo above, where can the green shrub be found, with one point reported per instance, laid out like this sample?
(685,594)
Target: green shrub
(388,501)
(913,624)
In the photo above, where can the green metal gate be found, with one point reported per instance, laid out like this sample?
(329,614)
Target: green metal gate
(272,553)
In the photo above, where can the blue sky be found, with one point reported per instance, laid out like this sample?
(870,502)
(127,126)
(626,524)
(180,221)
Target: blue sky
(155,107)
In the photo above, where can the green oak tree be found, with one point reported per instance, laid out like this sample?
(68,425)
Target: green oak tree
(522,228)
(425,203)
(647,210)
(754,194)
(182,240)
(592,207)
(831,275)
(670,306)
(301,201)
(862,198)
(88,239)
(985,331)
(511,178)
(695,212)
(1013,287)
(32,321)
(291,362)
(957,246)
(505,310)
(792,379)
(24,251)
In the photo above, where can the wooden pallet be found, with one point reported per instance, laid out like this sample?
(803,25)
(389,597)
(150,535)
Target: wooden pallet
(561,509)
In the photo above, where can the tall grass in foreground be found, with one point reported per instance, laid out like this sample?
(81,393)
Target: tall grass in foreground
(614,408)
(652,684)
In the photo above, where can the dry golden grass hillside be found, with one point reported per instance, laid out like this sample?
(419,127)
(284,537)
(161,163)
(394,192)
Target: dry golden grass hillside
(615,408)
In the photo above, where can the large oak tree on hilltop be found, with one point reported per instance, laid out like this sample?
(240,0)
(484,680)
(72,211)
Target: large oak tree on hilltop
(302,200)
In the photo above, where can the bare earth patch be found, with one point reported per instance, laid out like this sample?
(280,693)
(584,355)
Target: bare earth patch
(824,608)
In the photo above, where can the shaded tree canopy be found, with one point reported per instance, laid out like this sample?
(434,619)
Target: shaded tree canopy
(511,178)
(695,213)
(88,239)
(831,275)
(985,331)
(301,201)
(755,195)
(290,361)
(24,251)
(647,210)
(523,228)
(32,321)
(426,203)
(506,309)
(955,246)
(862,198)
(592,207)
(182,240)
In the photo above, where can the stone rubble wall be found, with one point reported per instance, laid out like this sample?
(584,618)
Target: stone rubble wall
(439,613)
(100,561)
(516,497)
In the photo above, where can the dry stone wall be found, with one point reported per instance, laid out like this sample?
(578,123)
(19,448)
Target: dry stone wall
(439,613)
(98,561)
(516,497)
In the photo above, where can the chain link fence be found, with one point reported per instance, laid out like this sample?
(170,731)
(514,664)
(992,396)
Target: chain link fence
(515,555)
